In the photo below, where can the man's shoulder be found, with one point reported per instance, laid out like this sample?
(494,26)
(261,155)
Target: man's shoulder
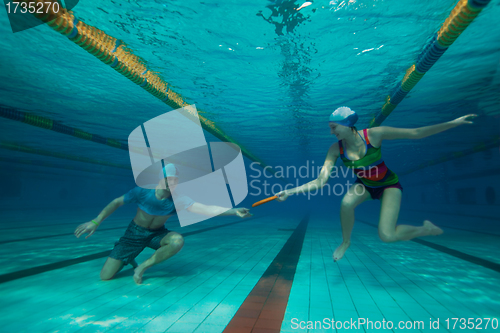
(142,189)
(136,192)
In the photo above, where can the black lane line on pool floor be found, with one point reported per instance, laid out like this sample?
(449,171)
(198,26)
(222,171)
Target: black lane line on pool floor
(57,224)
(457,254)
(65,263)
(455,214)
(107,229)
(50,236)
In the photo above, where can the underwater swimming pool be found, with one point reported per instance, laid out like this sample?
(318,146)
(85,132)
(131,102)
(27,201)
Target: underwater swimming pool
(266,77)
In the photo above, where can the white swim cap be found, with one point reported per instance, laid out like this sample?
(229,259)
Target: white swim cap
(344,116)
(169,171)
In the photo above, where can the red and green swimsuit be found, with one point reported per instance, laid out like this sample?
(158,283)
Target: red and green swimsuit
(370,169)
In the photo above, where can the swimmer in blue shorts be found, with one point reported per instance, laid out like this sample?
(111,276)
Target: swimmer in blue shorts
(147,229)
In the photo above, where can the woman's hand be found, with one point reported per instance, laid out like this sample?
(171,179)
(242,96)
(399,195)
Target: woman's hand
(282,196)
(465,119)
(84,228)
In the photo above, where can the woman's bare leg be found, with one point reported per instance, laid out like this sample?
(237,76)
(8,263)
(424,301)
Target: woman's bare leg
(356,195)
(389,212)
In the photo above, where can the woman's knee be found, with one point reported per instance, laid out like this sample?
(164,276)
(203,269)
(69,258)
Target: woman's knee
(352,199)
(387,236)
(348,203)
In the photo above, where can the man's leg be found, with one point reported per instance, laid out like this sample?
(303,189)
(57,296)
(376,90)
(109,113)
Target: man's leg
(110,268)
(170,245)
(125,250)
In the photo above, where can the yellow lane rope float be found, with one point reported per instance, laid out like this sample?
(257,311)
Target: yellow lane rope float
(113,52)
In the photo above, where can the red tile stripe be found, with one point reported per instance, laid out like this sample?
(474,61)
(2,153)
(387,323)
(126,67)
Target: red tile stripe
(264,308)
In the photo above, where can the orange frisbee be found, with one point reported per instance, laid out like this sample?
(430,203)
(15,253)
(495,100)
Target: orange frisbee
(258,203)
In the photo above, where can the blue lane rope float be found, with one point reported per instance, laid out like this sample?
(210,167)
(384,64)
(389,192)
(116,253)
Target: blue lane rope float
(459,19)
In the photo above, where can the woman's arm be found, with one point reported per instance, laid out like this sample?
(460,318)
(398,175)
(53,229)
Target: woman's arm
(324,175)
(426,131)
(378,134)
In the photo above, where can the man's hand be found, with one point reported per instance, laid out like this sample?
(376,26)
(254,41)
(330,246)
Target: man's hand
(84,228)
(242,212)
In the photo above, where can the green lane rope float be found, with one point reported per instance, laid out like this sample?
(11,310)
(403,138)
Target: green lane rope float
(42,163)
(42,122)
(29,150)
(47,123)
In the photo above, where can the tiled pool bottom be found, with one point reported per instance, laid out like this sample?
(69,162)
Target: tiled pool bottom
(218,281)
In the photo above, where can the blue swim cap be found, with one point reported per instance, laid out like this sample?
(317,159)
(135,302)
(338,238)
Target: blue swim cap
(169,171)
(344,116)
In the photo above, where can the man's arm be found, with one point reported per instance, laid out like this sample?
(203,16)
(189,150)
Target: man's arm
(90,227)
(109,209)
(207,210)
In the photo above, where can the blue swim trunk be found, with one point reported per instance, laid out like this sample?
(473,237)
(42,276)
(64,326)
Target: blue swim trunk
(135,240)
(376,192)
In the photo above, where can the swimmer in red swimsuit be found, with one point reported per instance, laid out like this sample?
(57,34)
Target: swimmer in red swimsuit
(361,151)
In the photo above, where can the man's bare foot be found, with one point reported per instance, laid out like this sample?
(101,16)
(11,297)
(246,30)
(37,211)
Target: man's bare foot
(432,229)
(138,271)
(339,252)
